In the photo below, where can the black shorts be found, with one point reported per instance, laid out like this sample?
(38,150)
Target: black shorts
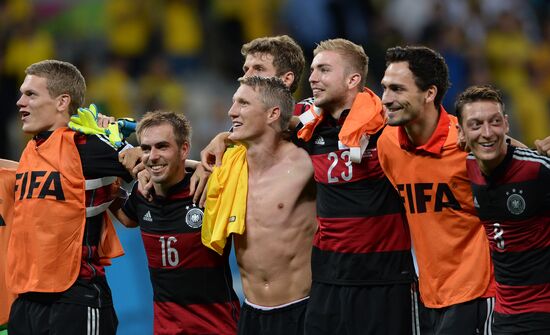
(31,316)
(287,320)
(522,324)
(365,310)
(471,317)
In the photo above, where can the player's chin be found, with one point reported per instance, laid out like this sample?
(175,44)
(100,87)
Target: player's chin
(29,129)
(158,178)
(395,121)
(235,136)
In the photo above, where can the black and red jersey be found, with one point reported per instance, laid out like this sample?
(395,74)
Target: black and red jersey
(192,284)
(99,163)
(362,236)
(513,204)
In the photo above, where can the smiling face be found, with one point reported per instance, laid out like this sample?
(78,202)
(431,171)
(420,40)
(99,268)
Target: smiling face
(39,111)
(402,99)
(162,156)
(248,114)
(484,128)
(329,79)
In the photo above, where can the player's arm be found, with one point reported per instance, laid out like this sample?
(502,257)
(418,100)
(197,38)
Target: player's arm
(7,164)
(191,164)
(213,153)
(543,146)
(199,180)
(120,205)
(515,142)
(131,160)
(122,217)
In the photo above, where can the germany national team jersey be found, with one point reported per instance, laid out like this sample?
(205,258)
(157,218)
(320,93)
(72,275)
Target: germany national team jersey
(448,238)
(192,284)
(514,205)
(362,236)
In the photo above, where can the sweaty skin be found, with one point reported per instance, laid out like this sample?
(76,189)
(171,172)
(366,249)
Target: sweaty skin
(274,254)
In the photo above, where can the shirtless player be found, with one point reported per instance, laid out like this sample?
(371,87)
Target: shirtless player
(275,251)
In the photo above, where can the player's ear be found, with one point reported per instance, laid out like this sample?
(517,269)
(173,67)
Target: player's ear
(63,102)
(184,150)
(460,132)
(431,93)
(273,114)
(288,78)
(506,123)
(354,80)
(461,139)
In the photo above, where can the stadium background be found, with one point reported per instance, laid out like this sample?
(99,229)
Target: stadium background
(184,55)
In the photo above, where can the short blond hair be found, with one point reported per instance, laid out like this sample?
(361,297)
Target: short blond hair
(273,93)
(61,78)
(357,59)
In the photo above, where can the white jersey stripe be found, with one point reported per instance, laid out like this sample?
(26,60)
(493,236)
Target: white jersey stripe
(533,159)
(532,156)
(92,184)
(93,211)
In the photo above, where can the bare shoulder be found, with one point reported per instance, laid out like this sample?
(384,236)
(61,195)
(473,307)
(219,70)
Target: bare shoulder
(298,157)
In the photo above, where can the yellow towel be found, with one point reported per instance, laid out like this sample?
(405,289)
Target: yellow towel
(225,209)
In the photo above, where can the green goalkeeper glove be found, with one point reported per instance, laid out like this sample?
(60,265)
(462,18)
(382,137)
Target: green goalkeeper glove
(85,121)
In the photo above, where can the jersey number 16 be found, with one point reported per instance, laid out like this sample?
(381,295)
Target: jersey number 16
(168,253)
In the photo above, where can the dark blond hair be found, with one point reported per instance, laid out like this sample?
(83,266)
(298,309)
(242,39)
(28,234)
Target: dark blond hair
(357,59)
(180,125)
(61,78)
(273,93)
(287,55)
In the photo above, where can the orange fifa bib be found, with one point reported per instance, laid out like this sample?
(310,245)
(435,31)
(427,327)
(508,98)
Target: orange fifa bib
(45,246)
(7,181)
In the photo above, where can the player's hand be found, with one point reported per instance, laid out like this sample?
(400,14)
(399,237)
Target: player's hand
(130,158)
(104,121)
(543,146)
(86,121)
(213,153)
(145,184)
(197,188)
(137,169)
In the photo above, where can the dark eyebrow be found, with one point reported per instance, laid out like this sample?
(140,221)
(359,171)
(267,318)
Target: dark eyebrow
(392,86)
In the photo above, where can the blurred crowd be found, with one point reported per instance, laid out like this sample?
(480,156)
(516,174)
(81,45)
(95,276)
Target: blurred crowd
(184,55)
